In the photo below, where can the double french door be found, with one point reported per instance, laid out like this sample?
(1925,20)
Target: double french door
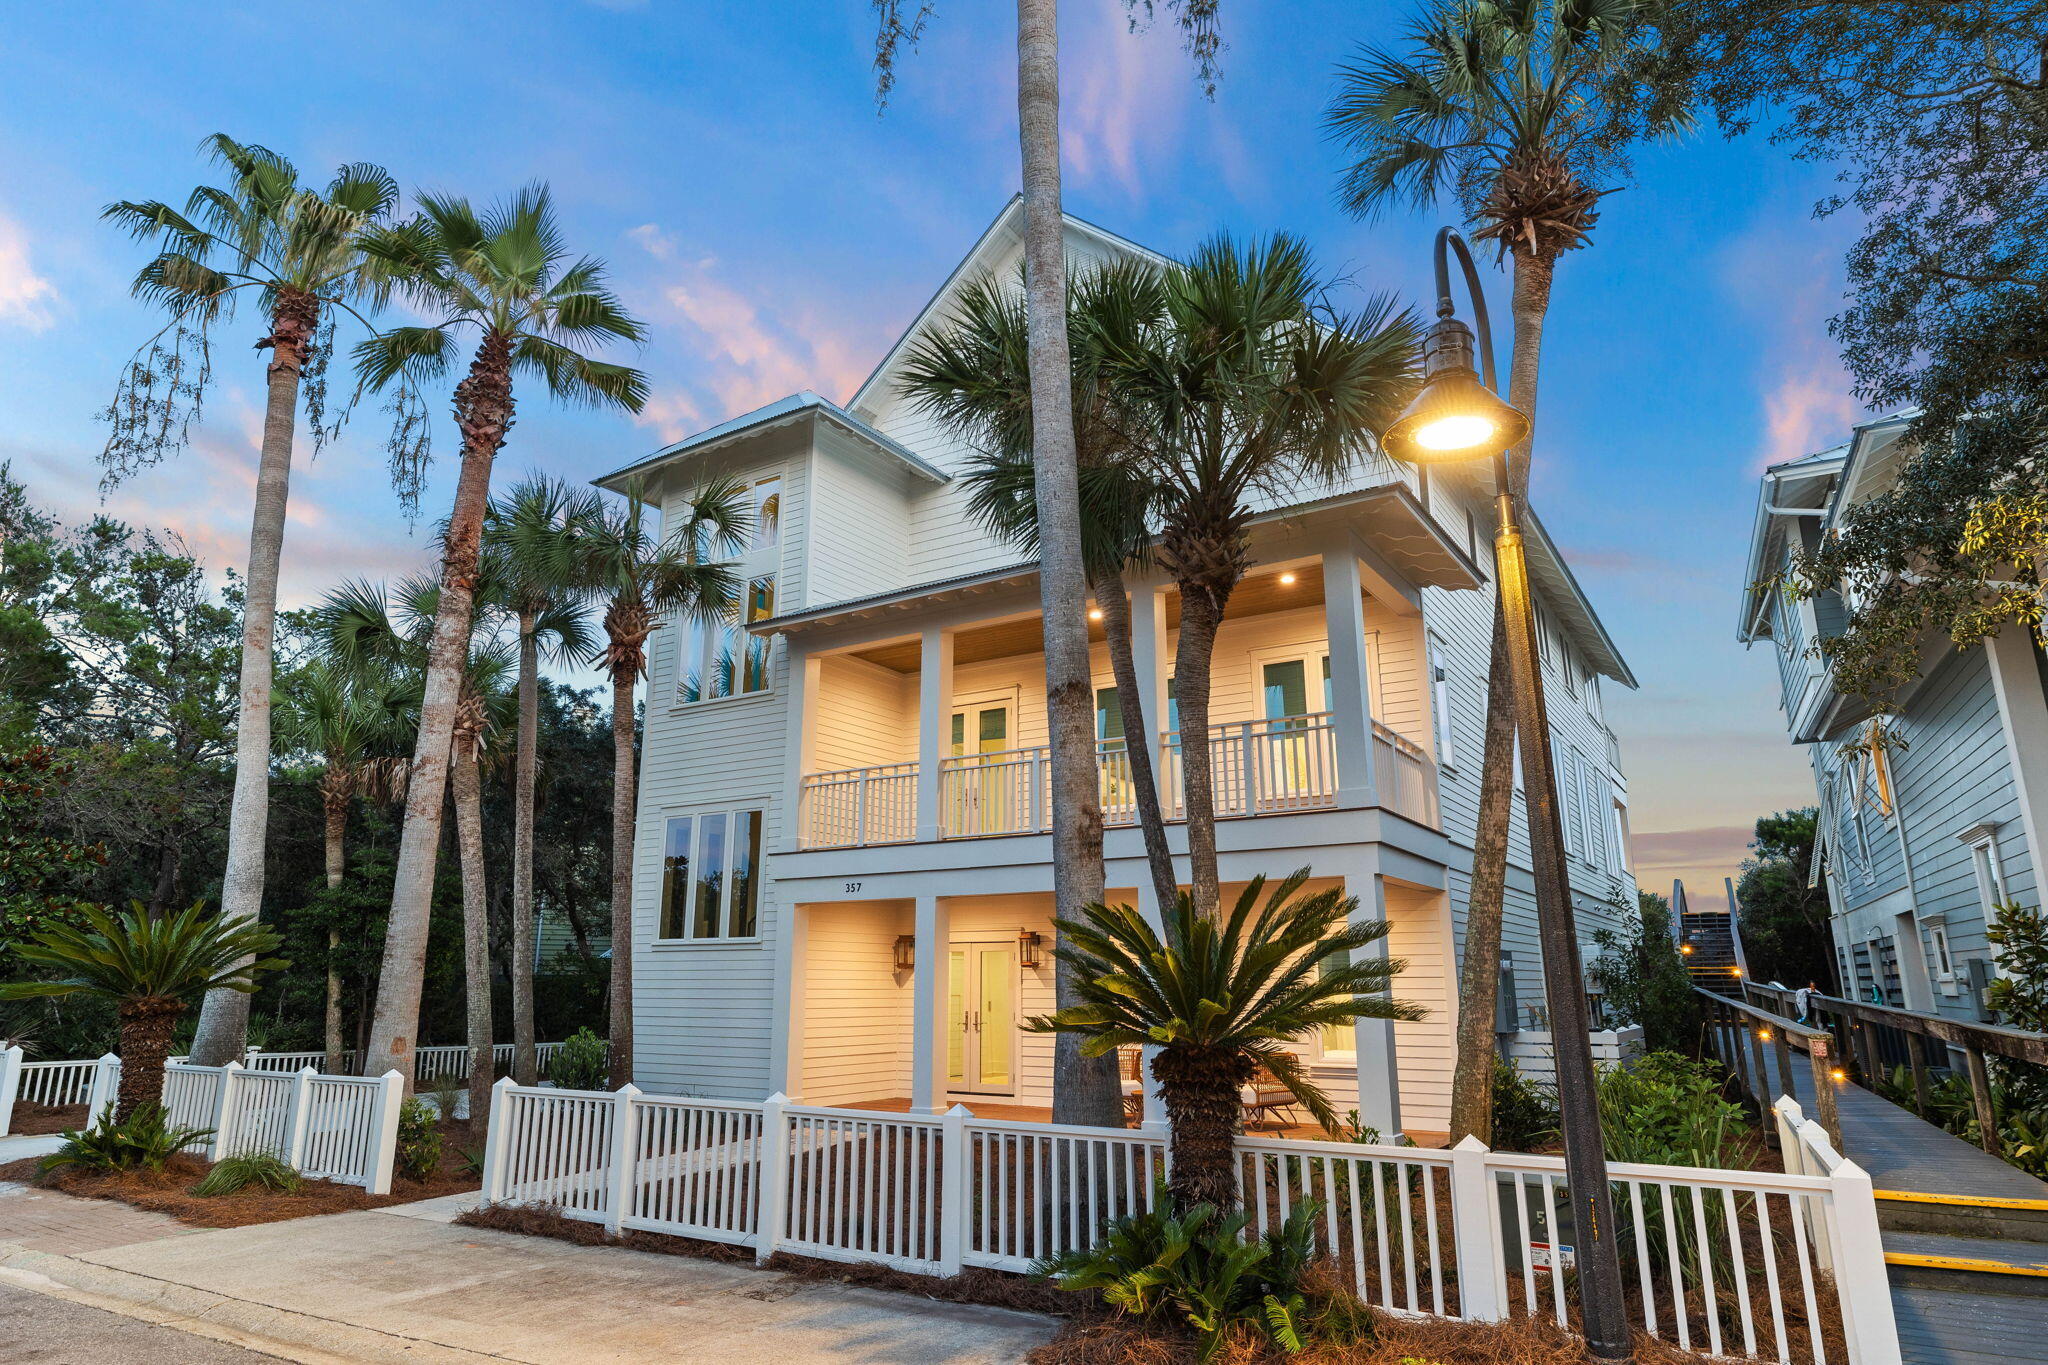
(981,1019)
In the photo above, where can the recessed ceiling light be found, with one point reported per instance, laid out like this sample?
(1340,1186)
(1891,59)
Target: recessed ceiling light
(1287,580)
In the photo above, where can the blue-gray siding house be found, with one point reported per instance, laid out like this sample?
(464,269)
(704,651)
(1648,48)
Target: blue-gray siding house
(1926,820)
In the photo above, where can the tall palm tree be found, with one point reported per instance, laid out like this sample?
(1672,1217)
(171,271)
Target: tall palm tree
(1506,105)
(506,274)
(357,720)
(974,376)
(151,967)
(640,575)
(533,533)
(1242,382)
(1220,997)
(295,247)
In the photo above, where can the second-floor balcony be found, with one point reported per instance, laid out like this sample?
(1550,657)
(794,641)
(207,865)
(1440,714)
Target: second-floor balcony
(1261,767)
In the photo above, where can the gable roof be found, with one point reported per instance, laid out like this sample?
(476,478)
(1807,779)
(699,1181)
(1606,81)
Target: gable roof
(782,412)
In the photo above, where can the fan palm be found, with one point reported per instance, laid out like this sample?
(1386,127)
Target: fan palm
(1515,108)
(640,575)
(504,273)
(357,720)
(295,247)
(1241,384)
(533,535)
(1219,997)
(151,967)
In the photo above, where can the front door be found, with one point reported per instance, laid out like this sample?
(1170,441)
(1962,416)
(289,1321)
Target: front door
(981,1019)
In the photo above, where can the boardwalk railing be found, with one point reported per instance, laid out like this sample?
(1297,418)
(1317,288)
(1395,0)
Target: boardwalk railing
(1747,1264)
(1738,1032)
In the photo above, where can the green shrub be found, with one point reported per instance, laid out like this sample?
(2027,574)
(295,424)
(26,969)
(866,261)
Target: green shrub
(1525,1113)
(580,1065)
(1197,1269)
(146,1140)
(419,1140)
(1669,1110)
(233,1174)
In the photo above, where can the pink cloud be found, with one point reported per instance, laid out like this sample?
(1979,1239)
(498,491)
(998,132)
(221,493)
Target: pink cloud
(1790,282)
(1698,857)
(26,298)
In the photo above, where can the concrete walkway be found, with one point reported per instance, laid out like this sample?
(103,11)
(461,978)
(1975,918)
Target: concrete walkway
(403,1285)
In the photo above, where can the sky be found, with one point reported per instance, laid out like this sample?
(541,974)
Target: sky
(777,232)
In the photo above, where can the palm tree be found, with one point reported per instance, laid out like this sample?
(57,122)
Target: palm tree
(151,967)
(1220,998)
(974,376)
(357,720)
(640,576)
(296,247)
(1241,382)
(533,533)
(1508,105)
(503,273)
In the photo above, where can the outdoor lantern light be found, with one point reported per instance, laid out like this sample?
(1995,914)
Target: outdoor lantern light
(1763,1035)
(1455,417)
(1028,941)
(906,952)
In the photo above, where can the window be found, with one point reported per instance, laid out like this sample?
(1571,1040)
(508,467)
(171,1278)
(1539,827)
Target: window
(1985,864)
(766,499)
(1937,953)
(710,876)
(1617,843)
(1440,707)
(721,658)
(1339,1042)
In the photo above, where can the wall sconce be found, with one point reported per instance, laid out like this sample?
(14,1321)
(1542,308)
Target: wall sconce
(1028,944)
(906,952)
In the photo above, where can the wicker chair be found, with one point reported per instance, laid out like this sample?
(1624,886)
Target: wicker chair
(1268,1102)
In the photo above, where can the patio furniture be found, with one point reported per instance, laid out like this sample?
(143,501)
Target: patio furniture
(1267,1102)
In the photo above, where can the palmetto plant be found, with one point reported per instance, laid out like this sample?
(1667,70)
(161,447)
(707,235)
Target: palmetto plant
(1519,110)
(504,274)
(532,536)
(294,248)
(1221,997)
(151,967)
(639,575)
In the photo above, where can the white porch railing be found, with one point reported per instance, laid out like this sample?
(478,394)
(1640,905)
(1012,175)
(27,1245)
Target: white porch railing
(1007,792)
(859,806)
(1406,776)
(1260,766)
(1730,1263)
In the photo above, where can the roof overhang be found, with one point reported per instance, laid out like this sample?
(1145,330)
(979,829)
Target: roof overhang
(1560,589)
(1804,484)
(797,408)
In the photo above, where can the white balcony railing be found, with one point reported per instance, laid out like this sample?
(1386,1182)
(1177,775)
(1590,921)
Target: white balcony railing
(1406,775)
(1005,792)
(1260,766)
(859,806)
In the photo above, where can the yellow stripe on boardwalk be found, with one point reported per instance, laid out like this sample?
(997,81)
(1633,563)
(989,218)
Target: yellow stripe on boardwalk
(1975,1201)
(1964,1263)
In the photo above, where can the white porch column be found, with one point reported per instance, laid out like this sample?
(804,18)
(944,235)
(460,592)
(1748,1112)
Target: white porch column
(1152,663)
(934,706)
(1350,691)
(1379,1077)
(1155,1100)
(801,744)
(2023,717)
(928,981)
(786,1033)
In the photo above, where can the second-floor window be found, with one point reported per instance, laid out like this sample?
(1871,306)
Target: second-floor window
(710,876)
(719,658)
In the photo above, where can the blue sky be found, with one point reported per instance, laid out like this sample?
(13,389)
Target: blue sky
(777,234)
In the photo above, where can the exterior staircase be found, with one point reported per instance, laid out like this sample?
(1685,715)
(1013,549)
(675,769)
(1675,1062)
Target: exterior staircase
(1707,940)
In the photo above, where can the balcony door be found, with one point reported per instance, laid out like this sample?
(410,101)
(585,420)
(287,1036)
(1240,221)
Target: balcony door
(981,1019)
(981,797)
(1289,757)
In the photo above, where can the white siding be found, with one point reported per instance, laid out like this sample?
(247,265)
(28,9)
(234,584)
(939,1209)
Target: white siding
(856,1024)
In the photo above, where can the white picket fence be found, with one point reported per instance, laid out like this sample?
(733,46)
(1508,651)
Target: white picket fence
(430,1063)
(1735,1263)
(341,1128)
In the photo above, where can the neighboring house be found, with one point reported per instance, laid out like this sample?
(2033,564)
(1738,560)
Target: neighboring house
(1926,821)
(843,880)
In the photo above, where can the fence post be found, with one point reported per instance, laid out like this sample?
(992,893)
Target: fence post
(619,1174)
(773,1204)
(226,1105)
(106,1081)
(1824,1088)
(249,1056)
(383,1145)
(498,1141)
(10,1085)
(1474,1233)
(1865,1291)
(301,1114)
(953,1202)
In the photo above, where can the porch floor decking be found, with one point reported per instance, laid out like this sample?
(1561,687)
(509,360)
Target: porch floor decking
(1027,1113)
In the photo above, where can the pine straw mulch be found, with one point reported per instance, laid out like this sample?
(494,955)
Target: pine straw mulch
(33,1120)
(170,1190)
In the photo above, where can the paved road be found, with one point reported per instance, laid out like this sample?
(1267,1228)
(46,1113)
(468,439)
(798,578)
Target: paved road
(48,1331)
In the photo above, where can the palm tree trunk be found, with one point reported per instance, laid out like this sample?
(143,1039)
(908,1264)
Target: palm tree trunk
(1201,612)
(147,1023)
(1479,974)
(337,827)
(522,852)
(476,929)
(624,789)
(1084,1090)
(224,1017)
(1200,1088)
(483,405)
(1130,700)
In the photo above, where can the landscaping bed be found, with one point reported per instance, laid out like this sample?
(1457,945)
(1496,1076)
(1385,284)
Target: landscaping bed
(31,1120)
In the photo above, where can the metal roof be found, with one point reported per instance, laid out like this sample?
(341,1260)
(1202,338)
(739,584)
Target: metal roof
(782,410)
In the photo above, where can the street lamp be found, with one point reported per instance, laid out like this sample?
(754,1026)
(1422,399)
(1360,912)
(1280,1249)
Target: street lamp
(1458,416)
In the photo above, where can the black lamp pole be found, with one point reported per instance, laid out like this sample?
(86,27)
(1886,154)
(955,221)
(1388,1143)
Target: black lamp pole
(1447,365)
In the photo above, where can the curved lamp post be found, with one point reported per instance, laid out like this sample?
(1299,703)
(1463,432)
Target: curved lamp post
(1455,418)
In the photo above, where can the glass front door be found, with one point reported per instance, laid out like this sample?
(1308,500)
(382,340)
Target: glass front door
(981,796)
(981,1019)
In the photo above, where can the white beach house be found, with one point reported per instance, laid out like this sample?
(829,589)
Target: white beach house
(842,882)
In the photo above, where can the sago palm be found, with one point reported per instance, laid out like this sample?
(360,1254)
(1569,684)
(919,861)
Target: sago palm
(1219,997)
(639,575)
(1242,386)
(293,247)
(533,534)
(151,968)
(505,275)
(1506,106)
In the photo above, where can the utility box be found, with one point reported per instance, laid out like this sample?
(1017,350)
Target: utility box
(1550,1243)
